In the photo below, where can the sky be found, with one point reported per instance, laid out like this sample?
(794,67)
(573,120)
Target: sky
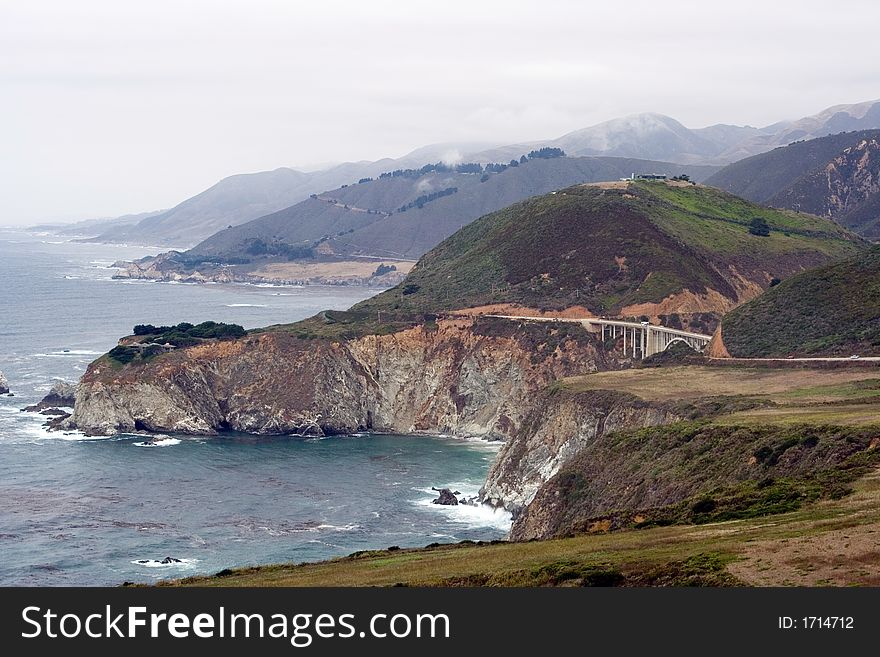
(111,107)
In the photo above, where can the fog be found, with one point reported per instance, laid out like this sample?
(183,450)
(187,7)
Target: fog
(115,107)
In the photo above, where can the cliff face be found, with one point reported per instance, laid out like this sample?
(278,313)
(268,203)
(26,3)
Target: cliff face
(846,188)
(458,376)
(558,428)
(695,472)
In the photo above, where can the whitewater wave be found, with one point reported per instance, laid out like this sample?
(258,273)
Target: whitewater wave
(158,441)
(337,528)
(470,517)
(245,305)
(40,433)
(272,285)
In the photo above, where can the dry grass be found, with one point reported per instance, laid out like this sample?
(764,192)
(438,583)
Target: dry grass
(692,382)
(343,269)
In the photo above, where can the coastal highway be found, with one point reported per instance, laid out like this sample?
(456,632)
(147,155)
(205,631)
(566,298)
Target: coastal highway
(818,359)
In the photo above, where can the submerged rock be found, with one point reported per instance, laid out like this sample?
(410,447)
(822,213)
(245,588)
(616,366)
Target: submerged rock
(447,497)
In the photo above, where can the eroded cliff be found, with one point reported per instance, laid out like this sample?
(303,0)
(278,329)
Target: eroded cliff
(458,376)
(559,427)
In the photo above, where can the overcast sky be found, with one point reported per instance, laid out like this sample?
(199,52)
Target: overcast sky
(108,107)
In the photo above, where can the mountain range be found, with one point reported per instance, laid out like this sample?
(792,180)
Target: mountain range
(242,198)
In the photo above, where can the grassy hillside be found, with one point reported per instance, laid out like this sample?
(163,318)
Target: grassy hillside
(609,246)
(833,310)
(832,176)
(367,218)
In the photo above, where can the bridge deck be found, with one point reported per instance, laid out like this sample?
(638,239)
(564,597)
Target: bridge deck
(610,322)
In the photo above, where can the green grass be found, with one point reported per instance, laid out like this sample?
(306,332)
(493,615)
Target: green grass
(348,325)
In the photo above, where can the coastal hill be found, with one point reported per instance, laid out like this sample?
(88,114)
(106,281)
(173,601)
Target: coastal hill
(836,176)
(624,248)
(829,311)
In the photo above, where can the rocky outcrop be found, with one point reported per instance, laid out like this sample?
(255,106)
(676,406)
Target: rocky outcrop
(446,497)
(560,425)
(62,394)
(457,376)
(4,384)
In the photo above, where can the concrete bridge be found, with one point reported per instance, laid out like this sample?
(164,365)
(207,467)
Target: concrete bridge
(640,339)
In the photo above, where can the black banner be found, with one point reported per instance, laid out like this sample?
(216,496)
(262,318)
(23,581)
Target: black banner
(437,621)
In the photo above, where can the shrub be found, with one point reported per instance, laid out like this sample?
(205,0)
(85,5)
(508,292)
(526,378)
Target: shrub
(759,227)
(123,354)
(383,269)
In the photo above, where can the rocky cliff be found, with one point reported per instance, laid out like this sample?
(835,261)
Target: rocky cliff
(560,426)
(458,376)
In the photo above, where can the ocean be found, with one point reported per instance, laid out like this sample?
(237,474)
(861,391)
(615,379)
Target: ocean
(80,511)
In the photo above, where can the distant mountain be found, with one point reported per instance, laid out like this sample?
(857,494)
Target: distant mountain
(88,227)
(653,136)
(836,176)
(832,311)
(231,201)
(403,216)
(630,249)
(658,137)
(238,199)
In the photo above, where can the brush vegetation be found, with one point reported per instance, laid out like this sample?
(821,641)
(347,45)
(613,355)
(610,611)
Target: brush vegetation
(832,310)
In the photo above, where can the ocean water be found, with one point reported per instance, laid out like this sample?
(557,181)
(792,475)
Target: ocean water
(78,511)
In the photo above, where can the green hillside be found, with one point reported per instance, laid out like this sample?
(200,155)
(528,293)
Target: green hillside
(833,310)
(608,246)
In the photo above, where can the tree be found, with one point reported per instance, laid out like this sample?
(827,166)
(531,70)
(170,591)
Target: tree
(523,159)
(546,153)
(759,227)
